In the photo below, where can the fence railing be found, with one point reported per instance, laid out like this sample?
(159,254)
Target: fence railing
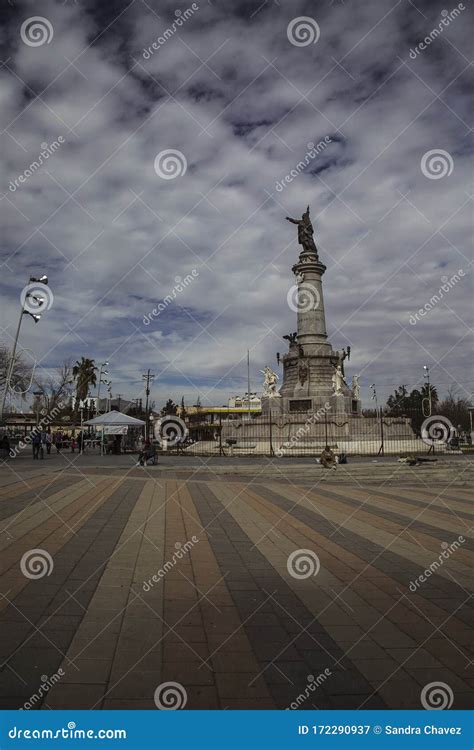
(307,434)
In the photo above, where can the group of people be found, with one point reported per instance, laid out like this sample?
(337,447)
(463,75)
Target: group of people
(43,441)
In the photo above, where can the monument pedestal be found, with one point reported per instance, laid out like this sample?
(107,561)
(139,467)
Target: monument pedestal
(271,405)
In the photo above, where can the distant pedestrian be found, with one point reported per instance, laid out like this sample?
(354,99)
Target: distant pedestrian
(49,441)
(43,443)
(58,441)
(36,442)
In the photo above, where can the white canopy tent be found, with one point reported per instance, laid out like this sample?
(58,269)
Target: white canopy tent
(112,419)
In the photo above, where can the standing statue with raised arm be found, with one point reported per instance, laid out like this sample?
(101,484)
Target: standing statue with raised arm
(305,232)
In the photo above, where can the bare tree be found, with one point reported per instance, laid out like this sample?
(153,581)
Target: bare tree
(55,389)
(22,372)
(455,408)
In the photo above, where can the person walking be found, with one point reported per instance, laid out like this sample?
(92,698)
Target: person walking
(58,440)
(36,442)
(43,443)
(49,441)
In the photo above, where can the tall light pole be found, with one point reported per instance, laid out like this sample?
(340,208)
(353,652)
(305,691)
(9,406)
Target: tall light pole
(248,384)
(101,372)
(147,377)
(36,317)
(426,375)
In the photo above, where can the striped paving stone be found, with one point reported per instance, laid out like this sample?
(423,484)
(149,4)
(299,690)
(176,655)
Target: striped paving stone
(42,619)
(22,496)
(159,578)
(376,549)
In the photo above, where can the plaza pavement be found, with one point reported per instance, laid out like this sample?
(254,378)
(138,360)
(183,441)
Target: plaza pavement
(275,584)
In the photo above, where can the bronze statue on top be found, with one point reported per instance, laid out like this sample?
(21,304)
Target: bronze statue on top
(305,232)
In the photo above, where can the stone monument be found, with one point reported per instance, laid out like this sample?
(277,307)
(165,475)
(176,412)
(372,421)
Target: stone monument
(313,372)
(315,406)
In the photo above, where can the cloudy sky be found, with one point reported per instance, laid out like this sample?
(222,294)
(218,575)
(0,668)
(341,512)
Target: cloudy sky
(238,90)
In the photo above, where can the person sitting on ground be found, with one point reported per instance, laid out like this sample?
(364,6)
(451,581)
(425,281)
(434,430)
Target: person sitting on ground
(328,459)
(145,454)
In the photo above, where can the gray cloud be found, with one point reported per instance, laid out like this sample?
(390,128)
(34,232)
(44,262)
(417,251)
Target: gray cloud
(241,103)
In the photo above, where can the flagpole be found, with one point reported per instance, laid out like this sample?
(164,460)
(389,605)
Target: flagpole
(248,382)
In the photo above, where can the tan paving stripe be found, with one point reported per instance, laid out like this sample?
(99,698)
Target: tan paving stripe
(51,534)
(431,497)
(215,621)
(409,624)
(316,593)
(463,506)
(137,666)
(422,551)
(32,515)
(17,487)
(371,499)
(110,634)
(129,474)
(369,601)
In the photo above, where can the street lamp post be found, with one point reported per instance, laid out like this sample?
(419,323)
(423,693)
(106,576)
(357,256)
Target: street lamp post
(147,377)
(427,376)
(36,317)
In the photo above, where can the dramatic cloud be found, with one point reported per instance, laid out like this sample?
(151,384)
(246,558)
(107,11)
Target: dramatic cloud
(222,85)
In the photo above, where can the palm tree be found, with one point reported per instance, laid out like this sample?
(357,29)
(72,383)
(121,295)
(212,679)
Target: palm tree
(84,373)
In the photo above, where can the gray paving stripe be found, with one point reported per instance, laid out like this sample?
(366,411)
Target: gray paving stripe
(276,633)
(468,517)
(397,567)
(8,507)
(78,567)
(391,515)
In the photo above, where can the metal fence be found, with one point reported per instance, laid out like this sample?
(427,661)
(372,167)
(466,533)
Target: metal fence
(307,434)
